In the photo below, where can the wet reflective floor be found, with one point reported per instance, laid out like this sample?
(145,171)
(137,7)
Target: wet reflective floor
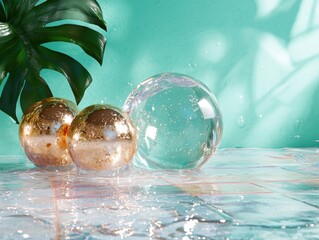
(240,194)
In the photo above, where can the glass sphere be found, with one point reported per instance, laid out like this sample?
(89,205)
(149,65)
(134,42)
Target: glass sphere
(43,132)
(101,137)
(178,120)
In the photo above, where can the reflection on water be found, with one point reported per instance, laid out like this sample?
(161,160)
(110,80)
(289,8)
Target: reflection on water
(240,194)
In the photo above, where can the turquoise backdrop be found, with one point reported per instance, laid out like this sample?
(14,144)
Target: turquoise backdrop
(259,57)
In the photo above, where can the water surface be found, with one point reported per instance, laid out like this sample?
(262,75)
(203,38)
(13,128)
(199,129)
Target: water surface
(240,194)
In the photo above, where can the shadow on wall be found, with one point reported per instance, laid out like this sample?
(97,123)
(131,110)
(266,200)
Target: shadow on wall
(260,58)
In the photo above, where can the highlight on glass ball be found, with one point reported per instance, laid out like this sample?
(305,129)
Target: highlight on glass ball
(101,137)
(43,132)
(178,120)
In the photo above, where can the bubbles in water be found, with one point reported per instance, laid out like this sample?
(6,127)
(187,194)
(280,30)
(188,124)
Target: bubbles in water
(178,120)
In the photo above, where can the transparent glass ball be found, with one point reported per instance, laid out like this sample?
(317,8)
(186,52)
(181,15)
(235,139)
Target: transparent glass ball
(178,121)
(102,137)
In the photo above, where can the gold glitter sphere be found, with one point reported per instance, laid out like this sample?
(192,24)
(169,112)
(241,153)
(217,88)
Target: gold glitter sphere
(43,132)
(101,137)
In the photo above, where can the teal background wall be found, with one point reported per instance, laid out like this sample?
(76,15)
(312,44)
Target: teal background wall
(259,57)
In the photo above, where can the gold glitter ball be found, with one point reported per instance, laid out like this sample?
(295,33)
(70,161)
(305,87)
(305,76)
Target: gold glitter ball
(102,137)
(43,132)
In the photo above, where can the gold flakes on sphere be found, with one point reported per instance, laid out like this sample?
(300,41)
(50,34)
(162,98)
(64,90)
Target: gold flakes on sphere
(102,137)
(43,132)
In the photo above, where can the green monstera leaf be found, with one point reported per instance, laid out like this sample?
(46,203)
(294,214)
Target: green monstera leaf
(23,31)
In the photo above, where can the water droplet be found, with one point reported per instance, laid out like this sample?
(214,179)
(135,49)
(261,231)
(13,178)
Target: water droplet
(241,98)
(298,124)
(104,101)
(241,121)
(192,65)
